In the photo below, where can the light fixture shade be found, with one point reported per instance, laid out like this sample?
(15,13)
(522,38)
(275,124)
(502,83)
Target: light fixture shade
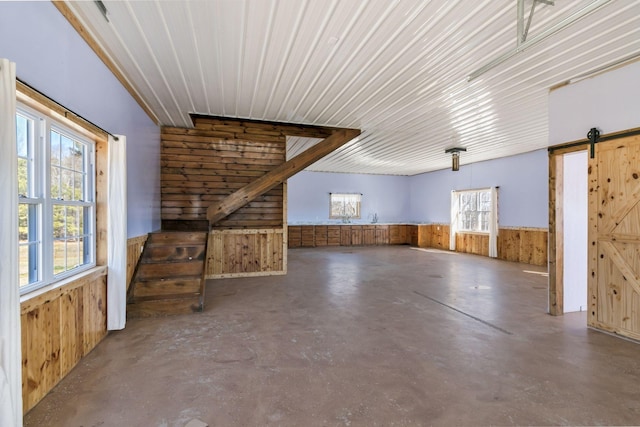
(455,165)
(455,157)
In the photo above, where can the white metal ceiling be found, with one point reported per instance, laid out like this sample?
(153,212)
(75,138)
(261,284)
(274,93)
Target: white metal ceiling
(397,69)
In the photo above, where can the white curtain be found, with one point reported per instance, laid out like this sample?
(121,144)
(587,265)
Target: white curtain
(10,337)
(453,229)
(117,234)
(493,224)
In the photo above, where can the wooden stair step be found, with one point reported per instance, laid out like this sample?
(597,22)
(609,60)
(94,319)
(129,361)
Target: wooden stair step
(174,254)
(164,306)
(153,271)
(177,238)
(168,277)
(139,299)
(171,286)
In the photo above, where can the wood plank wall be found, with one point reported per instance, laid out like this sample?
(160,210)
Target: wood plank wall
(60,327)
(243,253)
(525,245)
(134,251)
(203,165)
(219,156)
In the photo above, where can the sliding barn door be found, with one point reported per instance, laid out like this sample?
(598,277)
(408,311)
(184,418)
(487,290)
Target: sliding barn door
(614,237)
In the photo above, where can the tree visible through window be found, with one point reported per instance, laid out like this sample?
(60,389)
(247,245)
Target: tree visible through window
(474,210)
(56,208)
(344,206)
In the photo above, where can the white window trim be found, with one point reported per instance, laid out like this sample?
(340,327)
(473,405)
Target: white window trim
(43,124)
(458,193)
(493,219)
(345,217)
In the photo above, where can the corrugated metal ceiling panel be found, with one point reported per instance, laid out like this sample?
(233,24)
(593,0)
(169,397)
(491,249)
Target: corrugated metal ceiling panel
(396,69)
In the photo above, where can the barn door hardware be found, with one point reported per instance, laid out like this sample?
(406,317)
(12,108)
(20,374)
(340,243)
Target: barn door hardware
(594,138)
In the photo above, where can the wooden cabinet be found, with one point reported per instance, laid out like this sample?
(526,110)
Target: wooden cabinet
(307,236)
(412,231)
(320,235)
(333,235)
(295,236)
(382,235)
(345,235)
(368,235)
(356,235)
(398,234)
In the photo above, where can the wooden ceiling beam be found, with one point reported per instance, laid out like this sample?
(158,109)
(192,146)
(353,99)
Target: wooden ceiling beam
(284,129)
(281,173)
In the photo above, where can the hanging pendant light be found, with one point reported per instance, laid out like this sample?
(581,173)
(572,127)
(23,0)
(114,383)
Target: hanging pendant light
(455,157)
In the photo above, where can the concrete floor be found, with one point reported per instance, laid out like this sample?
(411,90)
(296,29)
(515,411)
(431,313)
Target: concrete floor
(377,336)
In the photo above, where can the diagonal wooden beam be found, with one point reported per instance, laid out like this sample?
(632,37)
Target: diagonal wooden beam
(281,173)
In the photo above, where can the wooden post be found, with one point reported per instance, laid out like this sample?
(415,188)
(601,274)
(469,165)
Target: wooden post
(555,243)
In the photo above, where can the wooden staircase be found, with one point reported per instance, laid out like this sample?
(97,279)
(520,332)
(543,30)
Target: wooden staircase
(169,278)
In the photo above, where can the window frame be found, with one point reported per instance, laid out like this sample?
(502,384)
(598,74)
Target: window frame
(479,213)
(43,125)
(343,215)
(33,198)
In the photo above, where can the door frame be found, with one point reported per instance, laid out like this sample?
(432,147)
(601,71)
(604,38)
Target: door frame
(556,229)
(556,225)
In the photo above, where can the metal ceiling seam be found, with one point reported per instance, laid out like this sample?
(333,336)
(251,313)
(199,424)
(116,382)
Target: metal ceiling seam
(540,38)
(243,39)
(198,55)
(263,54)
(327,61)
(104,54)
(371,59)
(406,83)
(509,89)
(542,49)
(389,63)
(435,65)
(539,78)
(143,76)
(283,62)
(175,56)
(156,63)
(382,149)
(219,62)
(310,52)
(363,42)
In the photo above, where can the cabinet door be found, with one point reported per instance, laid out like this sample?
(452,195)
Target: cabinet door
(356,235)
(333,235)
(368,235)
(345,235)
(295,236)
(382,234)
(307,236)
(321,235)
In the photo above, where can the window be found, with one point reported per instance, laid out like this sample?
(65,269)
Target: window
(344,206)
(56,208)
(474,210)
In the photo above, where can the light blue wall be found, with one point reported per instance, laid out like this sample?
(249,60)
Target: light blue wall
(609,102)
(426,198)
(308,196)
(522,198)
(51,57)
